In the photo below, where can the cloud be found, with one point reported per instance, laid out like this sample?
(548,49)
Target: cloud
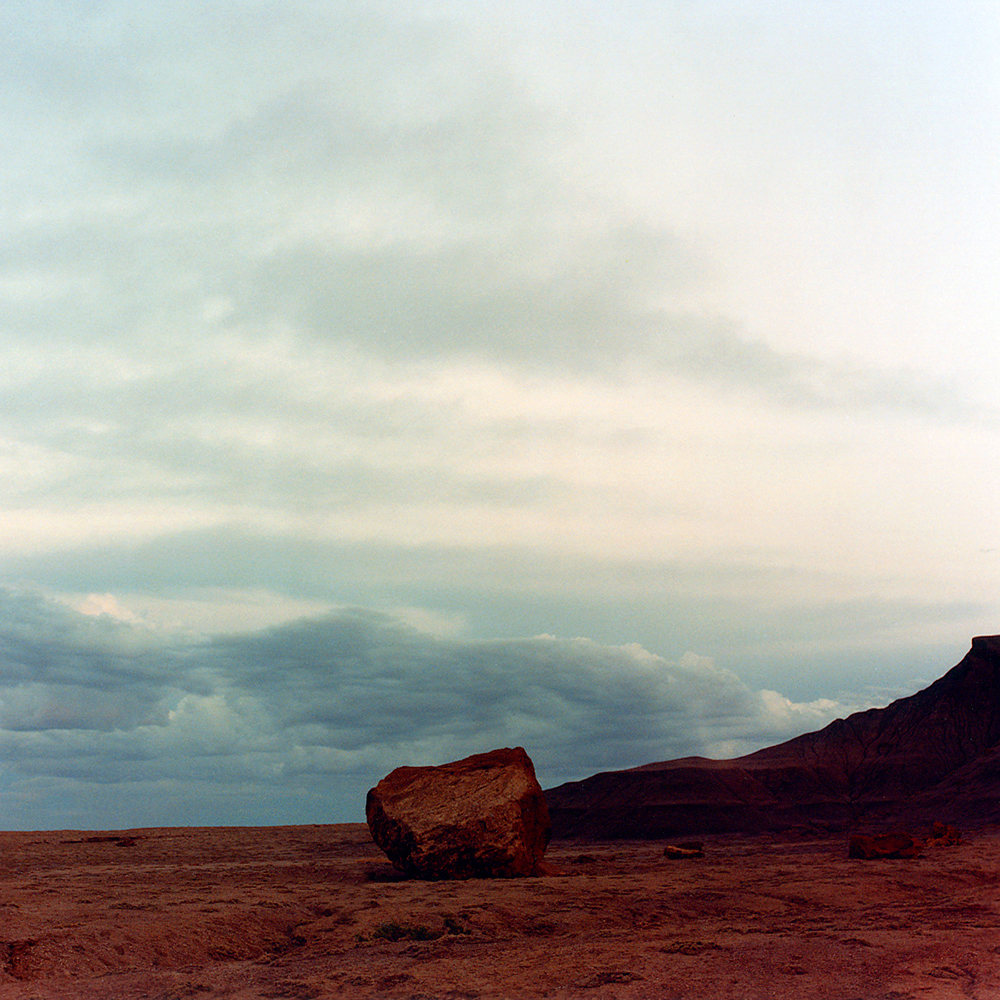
(366,294)
(344,698)
(68,671)
(396,191)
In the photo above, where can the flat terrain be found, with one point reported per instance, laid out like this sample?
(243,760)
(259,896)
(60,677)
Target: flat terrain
(310,912)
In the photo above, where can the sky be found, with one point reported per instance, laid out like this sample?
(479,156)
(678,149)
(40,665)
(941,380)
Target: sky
(382,383)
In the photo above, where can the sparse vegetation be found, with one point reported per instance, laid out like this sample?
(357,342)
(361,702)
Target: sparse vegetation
(395,931)
(452,926)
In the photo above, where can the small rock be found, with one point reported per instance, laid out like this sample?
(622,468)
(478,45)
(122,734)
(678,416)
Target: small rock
(884,845)
(943,835)
(692,849)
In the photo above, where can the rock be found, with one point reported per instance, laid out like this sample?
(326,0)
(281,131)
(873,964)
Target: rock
(884,845)
(679,851)
(933,755)
(481,817)
(943,835)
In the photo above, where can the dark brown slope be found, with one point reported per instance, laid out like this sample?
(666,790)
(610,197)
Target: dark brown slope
(934,755)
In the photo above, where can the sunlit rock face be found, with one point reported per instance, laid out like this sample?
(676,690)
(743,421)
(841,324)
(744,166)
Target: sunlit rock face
(935,754)
(484,816)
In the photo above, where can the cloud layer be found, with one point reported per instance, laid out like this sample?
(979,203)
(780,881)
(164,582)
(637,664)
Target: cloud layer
(306,716)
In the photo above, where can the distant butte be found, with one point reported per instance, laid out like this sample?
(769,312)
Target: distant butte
(932,756)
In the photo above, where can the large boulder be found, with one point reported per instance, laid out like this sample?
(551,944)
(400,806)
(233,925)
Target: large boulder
(481,817)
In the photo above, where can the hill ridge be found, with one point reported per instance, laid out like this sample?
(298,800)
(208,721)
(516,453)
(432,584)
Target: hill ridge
(933,754)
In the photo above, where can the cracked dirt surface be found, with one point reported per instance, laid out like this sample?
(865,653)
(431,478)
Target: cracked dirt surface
(311,912)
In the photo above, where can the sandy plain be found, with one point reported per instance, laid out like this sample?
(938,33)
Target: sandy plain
(309,912)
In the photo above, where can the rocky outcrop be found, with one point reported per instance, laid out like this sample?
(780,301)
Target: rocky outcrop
(484,816)
(935,754)
(944,835)
(884,845)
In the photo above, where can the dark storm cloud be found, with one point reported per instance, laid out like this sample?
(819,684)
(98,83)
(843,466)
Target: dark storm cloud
(353,693)
(62,670)
(736,612)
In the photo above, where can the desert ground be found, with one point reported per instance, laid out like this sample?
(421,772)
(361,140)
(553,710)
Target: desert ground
(310,912)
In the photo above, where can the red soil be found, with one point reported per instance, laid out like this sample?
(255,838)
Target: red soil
(309,912)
